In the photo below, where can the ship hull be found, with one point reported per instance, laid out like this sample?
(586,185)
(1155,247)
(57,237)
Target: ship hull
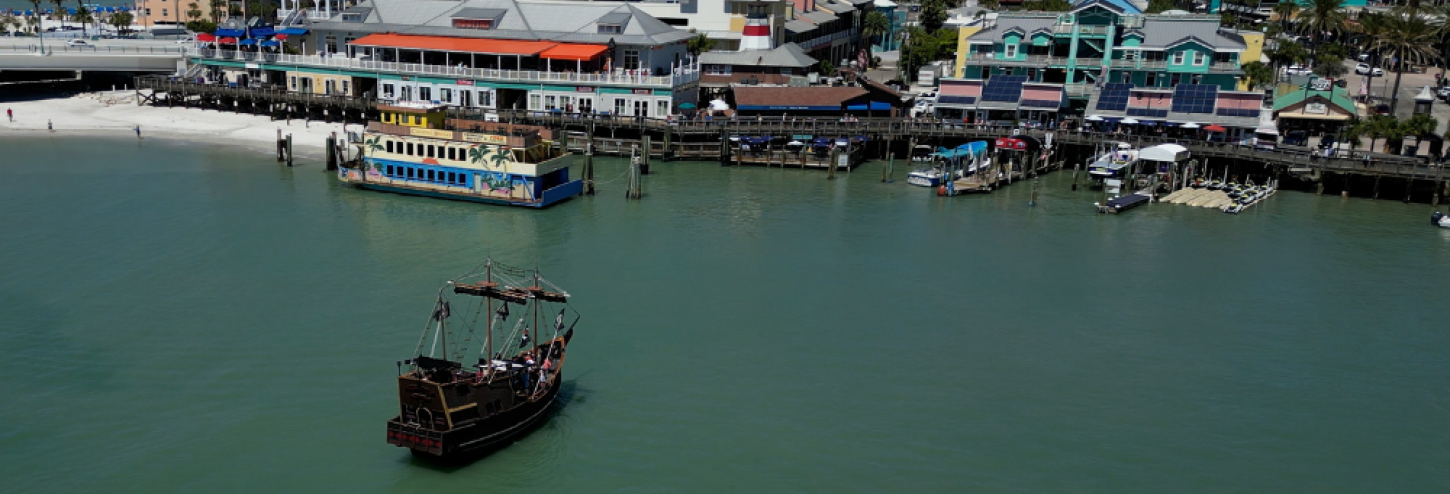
(551,196)
(479,438)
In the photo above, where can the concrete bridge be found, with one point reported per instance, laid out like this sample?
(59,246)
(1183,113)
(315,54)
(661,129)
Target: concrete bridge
(28,55)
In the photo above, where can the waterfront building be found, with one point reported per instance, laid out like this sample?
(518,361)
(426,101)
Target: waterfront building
(578,57)
(783,66)
(828,29)
(891,39)
(1020,65)
(1319,107)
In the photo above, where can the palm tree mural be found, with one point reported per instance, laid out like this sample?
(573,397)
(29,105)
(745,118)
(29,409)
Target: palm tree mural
(372,145)
(494,181)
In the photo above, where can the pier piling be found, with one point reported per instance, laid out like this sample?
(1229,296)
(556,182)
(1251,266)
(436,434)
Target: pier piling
(644,156)
(289,150)
(280,147)
(831,166)
(332,152)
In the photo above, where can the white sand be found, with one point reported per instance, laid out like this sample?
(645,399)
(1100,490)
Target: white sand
(116,114)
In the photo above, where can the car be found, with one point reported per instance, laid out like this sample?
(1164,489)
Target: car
(1364,69)
(1443,93)
(1326,142)
(77,42)
(1382,109)
(1296,138)
(929,95)
(1297,70)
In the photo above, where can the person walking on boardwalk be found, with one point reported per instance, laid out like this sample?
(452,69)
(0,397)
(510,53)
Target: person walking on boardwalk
(9,112)
(49,126)
(138,131)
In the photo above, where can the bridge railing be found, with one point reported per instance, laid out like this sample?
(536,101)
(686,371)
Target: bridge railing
(54,48)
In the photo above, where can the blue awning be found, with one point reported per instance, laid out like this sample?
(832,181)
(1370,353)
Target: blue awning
(229,33)
(270,42)
(248,42)
(875,105)
(262,31)
(793,108)
(292,31)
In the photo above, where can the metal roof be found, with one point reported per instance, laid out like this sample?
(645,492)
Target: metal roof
(477,13)
(817,17)
(551,21)
(786,55)
(1161,33)
(798,26)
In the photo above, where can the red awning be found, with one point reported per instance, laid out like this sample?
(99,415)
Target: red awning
(1215,128)
(466,45)
(205,37)
(279,37)
(228,40)
(574,52)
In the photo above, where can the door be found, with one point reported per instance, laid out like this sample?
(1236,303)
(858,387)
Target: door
(641,108)
(619,106)
(586,105)
(406,93)
(465,98)
(327,86)
(306,84)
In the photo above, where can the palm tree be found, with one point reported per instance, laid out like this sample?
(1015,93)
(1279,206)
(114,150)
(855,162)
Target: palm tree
(1320,17)
(59,9)
(1286,53)
(1286,11)
(875,25)
(699,44)
(1256,74)
(372,146)
(1420,126)
(121,21)
(1409,39)
(82,16)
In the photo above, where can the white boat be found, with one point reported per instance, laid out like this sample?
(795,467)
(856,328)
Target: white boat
(1440,219)
(965,161)
(1111,164)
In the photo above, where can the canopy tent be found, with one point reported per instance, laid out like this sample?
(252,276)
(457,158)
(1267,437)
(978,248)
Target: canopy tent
(576,53)
(719,105)
(262,31)
(969,149)
(1129,120)
(228,40)
(230,33)
(279,37)
(271,42)
(248,42)
(1093,118)
(1215,128)
(1164,152)
(1190,125)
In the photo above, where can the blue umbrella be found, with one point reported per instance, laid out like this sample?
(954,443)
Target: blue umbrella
(270,43)
(248,42)
(72,11)
(110,9)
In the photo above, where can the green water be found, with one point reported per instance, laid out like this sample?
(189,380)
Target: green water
(199,319)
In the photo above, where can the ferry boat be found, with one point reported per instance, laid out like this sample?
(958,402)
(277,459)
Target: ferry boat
(409,152)
(452,410)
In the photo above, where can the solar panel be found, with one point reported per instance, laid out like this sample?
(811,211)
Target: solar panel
(1145,112)
(1237,112)
(1194,98)
(1114,97)
(1006,88)
(960,100)
(1041,103)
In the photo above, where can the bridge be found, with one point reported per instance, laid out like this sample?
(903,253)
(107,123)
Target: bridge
(119,55)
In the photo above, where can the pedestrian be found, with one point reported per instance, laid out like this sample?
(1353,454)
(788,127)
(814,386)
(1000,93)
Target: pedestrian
(48,126)
(138,131)
(10,113)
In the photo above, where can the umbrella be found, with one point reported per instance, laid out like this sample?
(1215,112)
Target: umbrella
(1149,123)
(795,143)
(249,41)
(1190,125)
(719,105)
(207,37)
(1169,124)
(110,9)
(1094,118)
(1129,120)
(231,41)
(1215,128)
(269,43)
(687,106)
(279,37)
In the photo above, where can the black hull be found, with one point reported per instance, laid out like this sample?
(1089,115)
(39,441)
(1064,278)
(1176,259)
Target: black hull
(473,440)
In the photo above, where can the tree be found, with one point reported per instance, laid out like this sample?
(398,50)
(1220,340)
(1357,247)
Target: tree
(1420,126)
(193,12)
(35,25)
(1329,66)
(121,21)
(216,9)
(1409,40)
(83,16)
(1047,5)
(1322,16)
(1257,74)
(826,68)
(873,27)
(1158,6)
(1286,53)
(1285,12)
(699,44)
(59,9)
(934,13)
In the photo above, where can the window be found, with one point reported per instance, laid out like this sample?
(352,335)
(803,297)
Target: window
(1150,79)
(292,82)
(717,69)
(662,107)
(352,17)
(446,94)
(619,106)
(1175,80)
(164,13)
(1127,77)
(1011,50)
(485,98)
(329,43)
(411,172)
(1178,58)
(410,149)
(1130,54)
(1196,79)
(452,154)
(473,23)
(610,29)
(787,71)
(430,151)
(551,102)
(390,146)
(425,93)
(631,59)
(1199,58)
(346,85)
(536,101)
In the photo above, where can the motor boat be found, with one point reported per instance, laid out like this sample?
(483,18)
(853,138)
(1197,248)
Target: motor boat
(1440,219)
(965,160)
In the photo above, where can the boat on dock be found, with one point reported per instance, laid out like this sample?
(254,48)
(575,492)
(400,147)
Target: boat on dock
(452,410)
(1440,219)
(958,163)
(1123,203)
(1110,167)
(410,152)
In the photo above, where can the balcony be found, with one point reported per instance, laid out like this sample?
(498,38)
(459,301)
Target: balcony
(826,39)
(1217,67)
(1031,60)
(1081,29)
(679,75)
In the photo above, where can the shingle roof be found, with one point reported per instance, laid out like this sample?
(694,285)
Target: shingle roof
(1336,95)
(795,96)
(1007,22)
(786,55)
(562,21)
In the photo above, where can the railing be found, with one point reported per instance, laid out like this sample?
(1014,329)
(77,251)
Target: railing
(54,48)
(310,14)
(1033,59)
(680,75)
(817,41)
(1163,64)
(1081,29)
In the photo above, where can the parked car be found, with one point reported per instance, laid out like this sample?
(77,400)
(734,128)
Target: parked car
(1382,109)
(77,42)
(1365,69)
(1363,57)
(1326,142)
(1297,70)
(1443,93)
(1296,138)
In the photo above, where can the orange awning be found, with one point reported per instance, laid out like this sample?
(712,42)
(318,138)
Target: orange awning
(467,45)
(573,52)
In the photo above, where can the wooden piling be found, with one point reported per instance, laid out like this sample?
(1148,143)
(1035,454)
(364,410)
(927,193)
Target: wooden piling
(831,166)
(289,150)
(1376,187)
(886,172)
(1076,167)
(281,144)
(332,152)
(589,159)
(644,156)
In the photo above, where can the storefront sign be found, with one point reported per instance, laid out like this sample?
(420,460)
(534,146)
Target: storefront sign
(254,66)
(583,89)
(440,134)
(485,138)
(1320,84)
(640,91)
(462,82)
(1319,108)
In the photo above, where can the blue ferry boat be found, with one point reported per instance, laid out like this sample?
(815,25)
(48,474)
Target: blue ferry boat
(409,152)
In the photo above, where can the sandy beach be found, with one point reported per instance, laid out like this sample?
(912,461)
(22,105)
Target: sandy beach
(115,114)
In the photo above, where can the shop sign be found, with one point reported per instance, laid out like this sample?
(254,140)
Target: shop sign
(421,132)
(641,91)
(485,138)
(462,82)
(583,89)
(1319,108)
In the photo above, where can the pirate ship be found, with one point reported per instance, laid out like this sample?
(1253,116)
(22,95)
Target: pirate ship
(451,409)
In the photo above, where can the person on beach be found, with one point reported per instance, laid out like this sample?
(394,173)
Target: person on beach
(138,131)
(10,113)
(48,126)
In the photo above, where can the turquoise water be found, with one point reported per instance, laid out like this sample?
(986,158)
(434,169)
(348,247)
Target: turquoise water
(198,319)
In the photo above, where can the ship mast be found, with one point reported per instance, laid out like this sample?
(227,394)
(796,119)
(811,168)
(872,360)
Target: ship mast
(488,338)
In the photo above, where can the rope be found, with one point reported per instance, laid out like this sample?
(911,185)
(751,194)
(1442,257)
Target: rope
(615,179)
